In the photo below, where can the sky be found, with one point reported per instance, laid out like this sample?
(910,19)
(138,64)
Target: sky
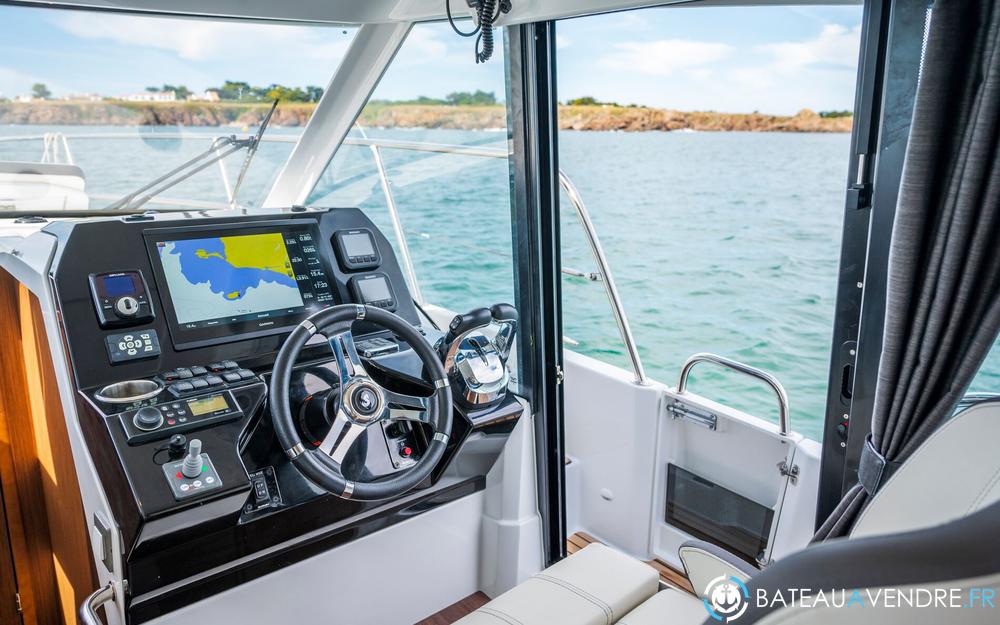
(769,59)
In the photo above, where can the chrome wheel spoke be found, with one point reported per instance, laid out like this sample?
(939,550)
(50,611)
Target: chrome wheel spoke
(348,360)
(404,407)
(341,437)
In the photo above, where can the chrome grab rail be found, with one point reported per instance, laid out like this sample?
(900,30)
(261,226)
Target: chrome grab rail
(88,609)
(739,367)
(603,274)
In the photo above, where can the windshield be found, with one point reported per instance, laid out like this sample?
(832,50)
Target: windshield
(94,106)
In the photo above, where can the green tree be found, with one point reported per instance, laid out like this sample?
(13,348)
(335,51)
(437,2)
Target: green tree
(479,97)
(584,101)
(234,90)
(314,93)
(39,90)
(180,91)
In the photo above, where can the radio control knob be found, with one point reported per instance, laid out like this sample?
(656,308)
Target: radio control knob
(148,418)
(127,306)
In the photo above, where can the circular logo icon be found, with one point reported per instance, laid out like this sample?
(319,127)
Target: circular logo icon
(726,598)
(365,401)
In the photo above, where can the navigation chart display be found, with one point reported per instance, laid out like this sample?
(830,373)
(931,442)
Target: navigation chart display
(243,278)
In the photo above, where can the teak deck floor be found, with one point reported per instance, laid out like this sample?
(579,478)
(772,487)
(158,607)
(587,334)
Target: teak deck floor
(668,574)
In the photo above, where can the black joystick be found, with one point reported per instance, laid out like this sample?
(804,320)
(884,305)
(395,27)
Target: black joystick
(177,447)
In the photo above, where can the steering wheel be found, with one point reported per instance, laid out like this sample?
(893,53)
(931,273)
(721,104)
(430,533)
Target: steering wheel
(363,403)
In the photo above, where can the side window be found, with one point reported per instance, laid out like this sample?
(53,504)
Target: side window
(711,148)
(427,161)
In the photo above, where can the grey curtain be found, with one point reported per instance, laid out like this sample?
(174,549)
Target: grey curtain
(943,300)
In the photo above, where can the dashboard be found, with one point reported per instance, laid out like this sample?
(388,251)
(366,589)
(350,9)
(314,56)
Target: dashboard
(172,326)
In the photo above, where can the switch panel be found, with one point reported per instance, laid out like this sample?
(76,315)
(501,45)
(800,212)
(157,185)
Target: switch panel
(264,491)
(184,487)
(133,345)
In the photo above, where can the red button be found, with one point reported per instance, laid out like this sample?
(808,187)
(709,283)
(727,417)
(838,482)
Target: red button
(179,476)
(406,451)
(171,422)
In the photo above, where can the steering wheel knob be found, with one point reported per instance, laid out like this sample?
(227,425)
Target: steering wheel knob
(363,401)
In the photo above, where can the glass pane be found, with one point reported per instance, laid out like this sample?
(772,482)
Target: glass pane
(454,208)
(720,206)
(136,96)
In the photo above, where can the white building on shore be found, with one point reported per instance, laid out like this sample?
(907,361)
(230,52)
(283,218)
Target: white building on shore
(151,96)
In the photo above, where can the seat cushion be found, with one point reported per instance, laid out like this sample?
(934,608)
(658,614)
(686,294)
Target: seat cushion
(595,586)
(667,607)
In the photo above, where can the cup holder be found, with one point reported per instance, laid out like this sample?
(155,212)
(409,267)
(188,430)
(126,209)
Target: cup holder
(129,391)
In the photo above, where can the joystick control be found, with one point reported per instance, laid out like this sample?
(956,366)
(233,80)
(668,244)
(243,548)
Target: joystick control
(193,462)
(192,475)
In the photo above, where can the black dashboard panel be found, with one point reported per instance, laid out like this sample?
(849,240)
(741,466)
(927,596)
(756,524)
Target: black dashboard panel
(102,246)
(260,514)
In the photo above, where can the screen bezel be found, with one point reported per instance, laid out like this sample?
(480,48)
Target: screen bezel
(189,338)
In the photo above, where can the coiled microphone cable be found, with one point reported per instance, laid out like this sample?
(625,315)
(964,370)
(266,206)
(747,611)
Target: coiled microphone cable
(487,13)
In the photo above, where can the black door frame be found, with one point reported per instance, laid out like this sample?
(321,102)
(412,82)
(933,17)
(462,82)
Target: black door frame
(534,169)
(888,70)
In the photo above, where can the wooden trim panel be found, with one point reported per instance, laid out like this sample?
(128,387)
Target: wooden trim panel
(48,532)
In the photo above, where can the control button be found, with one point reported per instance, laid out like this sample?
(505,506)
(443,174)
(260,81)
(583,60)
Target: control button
(199,383)
(185,487)
(147,418)
(230,364)
(199,370)
(184,373)
(216,367)
(182,387)
(405,451)
(197,483)
(246,374)
(213,380)
(231,376)
(171,422)
(127,306)
(175,406)
(260,491)
(210,480)
(169,376)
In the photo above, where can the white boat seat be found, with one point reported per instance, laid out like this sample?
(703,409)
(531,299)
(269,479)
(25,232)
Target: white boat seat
(595,586)
(667,607)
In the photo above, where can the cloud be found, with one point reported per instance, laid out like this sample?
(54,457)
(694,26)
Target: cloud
(198,40)
(562,41)
(664,57)
(836,46)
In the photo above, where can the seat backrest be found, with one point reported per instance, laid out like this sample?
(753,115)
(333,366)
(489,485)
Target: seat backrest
(954,473)
(887,579)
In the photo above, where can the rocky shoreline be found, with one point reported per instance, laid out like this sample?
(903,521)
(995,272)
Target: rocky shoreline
(398,115)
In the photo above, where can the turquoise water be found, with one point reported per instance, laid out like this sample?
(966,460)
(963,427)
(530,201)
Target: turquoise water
(720,242)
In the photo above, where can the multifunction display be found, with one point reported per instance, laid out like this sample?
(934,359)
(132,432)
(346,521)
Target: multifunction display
(224,284)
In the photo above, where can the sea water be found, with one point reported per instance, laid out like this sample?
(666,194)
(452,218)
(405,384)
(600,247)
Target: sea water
(720,242)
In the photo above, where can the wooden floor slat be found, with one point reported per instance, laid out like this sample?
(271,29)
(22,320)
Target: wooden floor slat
(456,610)
(668,574)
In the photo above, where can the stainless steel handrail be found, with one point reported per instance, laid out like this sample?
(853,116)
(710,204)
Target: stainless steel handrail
(610,288)
(88,609)
(376,144)
(739,367)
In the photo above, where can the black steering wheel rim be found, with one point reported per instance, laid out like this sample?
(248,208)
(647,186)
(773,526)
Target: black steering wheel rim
(356,409)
